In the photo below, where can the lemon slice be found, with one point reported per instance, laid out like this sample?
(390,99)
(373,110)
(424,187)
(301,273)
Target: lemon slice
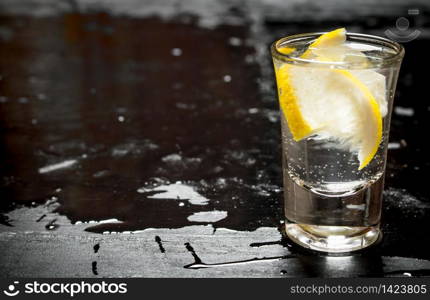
(330,39)
(330,47)
(342,54)
(286,50)
(347,105)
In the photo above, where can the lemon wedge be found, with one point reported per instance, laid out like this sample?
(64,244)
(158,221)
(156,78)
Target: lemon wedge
(286,50)
(346,105)
(328,40)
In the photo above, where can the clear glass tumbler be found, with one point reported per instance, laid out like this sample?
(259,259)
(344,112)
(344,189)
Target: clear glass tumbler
(332,190)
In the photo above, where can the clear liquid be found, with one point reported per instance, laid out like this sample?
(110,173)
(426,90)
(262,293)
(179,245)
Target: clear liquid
(324,166)
(324,187)
(331,205)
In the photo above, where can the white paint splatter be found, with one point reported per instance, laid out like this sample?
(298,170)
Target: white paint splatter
(208,216)
(57,166)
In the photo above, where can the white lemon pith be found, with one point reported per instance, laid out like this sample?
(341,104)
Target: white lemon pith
(346,105)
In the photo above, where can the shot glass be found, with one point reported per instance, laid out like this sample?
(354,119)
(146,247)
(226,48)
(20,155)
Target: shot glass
(333,113)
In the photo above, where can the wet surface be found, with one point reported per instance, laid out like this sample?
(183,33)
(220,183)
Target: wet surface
(115,126)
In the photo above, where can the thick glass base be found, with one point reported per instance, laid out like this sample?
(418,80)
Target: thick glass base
(332,239)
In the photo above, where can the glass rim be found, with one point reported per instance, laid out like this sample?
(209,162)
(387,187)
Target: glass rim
(393,58)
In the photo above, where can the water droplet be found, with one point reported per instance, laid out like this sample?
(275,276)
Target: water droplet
(227,78)
(41,96)
(176,52)
(22,100)
(235,41)
(51,225)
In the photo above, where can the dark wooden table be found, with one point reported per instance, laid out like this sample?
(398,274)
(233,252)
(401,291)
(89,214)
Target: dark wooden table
(143,140)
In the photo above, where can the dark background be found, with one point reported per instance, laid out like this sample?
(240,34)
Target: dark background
(106,104)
